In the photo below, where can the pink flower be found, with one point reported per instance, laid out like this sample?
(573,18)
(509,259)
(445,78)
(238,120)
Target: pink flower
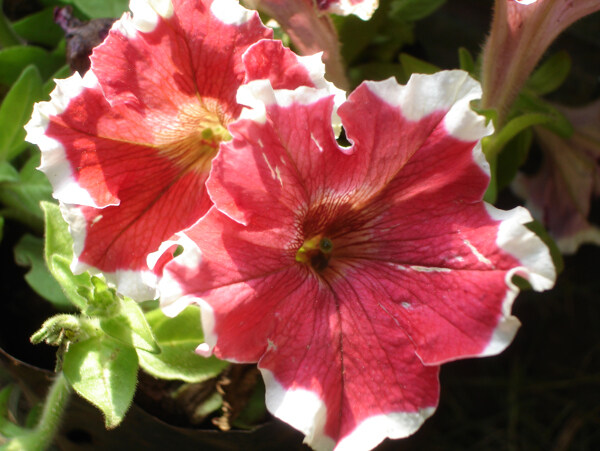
(129,147)
(312,31)
(351,274)
(520,34)
(559,195)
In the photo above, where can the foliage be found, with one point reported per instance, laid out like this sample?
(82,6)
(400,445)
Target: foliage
(103,338)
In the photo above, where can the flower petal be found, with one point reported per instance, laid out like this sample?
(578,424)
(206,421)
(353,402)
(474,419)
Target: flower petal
(129,147)
(194,51)
(351,273)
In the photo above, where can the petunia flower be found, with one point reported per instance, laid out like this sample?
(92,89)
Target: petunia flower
(351,274)
(311,30)
(520,34)
(129,146)
(559,195)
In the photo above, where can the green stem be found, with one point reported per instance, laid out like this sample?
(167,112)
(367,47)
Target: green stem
(8,37)
(41,437)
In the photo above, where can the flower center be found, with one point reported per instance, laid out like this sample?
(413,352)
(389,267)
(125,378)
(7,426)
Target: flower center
(192,139)
(315,251)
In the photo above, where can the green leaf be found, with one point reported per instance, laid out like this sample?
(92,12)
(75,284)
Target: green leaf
(103,372)
(466,61)
(557,122)
(13,60)
(131,328)
(39,28)
(255,411)
(60,268)
(178,338)
(494,144)
(8,173)
(8,37)
(412,65)
(356,34)
(513,157)
(58,238)
(29,251)
(375,71)
(95,9)
(413,10)
(15,112)
(551,74)
(491,193)
(59,254)
(23,198)
(102,301)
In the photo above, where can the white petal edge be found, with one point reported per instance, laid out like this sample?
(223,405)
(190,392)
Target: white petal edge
(258,94)
(146,14)
(372,431)
(305,411)
(173,299)
(54,161)
(364,10)
(316,71)
(447,91)
(536,266)
(300,408)
(139,285)
(230,12)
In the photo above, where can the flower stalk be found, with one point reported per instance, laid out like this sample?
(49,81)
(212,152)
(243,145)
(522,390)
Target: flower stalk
(54,407)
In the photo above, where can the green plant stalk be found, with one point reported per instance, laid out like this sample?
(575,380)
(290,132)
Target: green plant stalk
(8,36)
(41,436)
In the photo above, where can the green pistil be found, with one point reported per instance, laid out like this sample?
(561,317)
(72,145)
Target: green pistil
(216,133)
(316,252)
(326,245)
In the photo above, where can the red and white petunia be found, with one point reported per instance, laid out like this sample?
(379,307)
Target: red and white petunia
(351,274)
(522,30)
(312,31)
(560,194)
(129,147)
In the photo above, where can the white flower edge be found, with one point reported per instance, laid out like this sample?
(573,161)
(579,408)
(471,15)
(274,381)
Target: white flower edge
(140,285)
(259,94)
(446,91)
(54,161)
(305,411)
(147,13)
(316,71)
(173,300)
(230,12)
(536,267)
(363,9)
